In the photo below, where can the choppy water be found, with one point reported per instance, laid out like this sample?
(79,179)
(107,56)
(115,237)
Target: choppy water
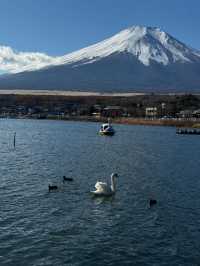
(68,227)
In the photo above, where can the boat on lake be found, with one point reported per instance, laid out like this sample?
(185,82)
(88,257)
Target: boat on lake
(107,129)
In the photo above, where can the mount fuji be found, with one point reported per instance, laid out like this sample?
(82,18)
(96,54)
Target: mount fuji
(136,59)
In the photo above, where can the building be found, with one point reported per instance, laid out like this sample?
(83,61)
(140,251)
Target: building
(112,111)
(196,113)
(151,112)
(185,114)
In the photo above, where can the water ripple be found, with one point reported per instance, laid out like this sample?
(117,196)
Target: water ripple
(68,227)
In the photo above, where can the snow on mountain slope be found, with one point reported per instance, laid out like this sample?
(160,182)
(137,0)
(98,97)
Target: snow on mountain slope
(135,59)
(144,43)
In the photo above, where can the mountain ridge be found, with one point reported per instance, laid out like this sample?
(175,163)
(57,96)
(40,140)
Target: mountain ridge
(137,58)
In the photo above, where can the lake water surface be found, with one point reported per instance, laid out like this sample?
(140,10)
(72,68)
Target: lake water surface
(69,227)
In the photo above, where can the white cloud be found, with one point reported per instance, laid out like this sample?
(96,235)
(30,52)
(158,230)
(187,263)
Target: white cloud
(12,61)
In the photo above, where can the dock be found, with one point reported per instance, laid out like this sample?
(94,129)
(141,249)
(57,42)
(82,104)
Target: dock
(188,131)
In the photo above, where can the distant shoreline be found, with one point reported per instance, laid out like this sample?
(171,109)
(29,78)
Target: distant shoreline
(137,121)
(120,120)
(68,93)
(125,108)
(86,93)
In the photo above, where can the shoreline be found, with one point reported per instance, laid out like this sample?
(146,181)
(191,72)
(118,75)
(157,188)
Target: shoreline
(122,108)
(140,121)
(87,93)
(120,120)
(70,93)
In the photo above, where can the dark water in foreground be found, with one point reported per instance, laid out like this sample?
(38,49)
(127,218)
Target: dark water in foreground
(68,227)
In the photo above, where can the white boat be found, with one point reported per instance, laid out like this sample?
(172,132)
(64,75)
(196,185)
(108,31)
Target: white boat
(107,129)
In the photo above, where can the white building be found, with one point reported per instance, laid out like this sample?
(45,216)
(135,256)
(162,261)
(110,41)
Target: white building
(151,111)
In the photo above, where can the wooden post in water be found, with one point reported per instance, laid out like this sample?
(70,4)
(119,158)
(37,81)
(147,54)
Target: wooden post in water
(14,140)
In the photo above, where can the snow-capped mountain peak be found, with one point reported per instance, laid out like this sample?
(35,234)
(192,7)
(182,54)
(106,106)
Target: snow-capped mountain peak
(135,59)
(146,43)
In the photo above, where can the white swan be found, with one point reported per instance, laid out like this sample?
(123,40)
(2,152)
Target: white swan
(102,189)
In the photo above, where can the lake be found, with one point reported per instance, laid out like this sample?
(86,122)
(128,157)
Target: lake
(68,226)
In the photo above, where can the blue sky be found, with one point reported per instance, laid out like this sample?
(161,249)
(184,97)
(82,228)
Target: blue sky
(57,27)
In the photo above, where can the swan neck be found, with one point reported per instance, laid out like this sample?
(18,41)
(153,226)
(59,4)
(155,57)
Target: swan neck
(113,183)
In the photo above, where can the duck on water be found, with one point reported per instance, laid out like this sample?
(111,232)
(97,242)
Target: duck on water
(52,187)
(67,178)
